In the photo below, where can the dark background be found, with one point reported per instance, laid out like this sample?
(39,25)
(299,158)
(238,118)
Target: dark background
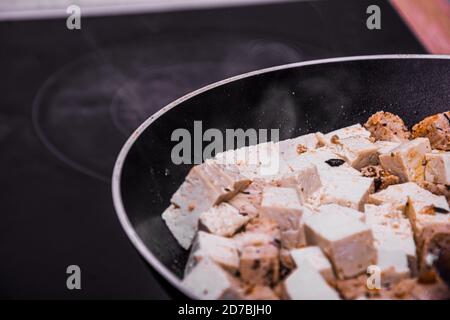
(69,99)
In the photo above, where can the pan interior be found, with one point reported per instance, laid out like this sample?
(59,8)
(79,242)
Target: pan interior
(297,100)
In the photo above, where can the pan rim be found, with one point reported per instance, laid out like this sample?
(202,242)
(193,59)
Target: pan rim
(117,171)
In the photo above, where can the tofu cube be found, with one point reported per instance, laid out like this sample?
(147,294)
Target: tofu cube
(253,238)
(335,208)
(396,195)
(356,130)
(248,201)
(292,148)
(222,220)
(294,238)
(221,250)
(357,151)
(259,265)
(264,225)
(283,206)
(208,281)
(391,229)
(393,265)
(386,147)
(183,225)
(261,161)
(427,211)
(206,185)
(308,284)
(320,158)
(437,168)
(407,160)
(347,242)
(347,191)
(315,257)
(304,178)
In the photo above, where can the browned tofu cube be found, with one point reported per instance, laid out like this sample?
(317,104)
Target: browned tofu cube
(260,265)
(407,160)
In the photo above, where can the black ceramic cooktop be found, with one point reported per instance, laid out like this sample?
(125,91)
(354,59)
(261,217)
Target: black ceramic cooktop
(69,99)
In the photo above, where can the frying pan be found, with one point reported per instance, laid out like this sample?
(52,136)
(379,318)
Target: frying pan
(298,98)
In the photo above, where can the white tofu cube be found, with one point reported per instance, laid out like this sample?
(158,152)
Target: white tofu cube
(291,148)
(222,220)
(393,265)
(321,159)
(308,284)
(396,195)
(183,225)
(208,281)
(391,230)
(437,168)
(407,160)
(283,206)
(264,162)
(261,161)
(221,250)
(346,241)
(386,147)
(315,257)
(335,208)
(348,191)
(356,130)
(357,151)
(304,178)
(206,185)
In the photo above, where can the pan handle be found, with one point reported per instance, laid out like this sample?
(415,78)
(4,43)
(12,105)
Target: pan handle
(429,20)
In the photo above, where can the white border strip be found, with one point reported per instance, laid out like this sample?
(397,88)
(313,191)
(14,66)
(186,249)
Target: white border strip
(116,192)
(131,8)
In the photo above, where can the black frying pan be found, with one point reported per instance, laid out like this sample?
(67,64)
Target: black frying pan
(297,99)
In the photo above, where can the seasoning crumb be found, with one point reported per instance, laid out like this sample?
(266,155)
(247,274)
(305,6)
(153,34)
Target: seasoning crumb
(335,139)
(301,149)
(429,210)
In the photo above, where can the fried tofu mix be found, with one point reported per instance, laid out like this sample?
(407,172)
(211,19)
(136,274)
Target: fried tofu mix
(361,212)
